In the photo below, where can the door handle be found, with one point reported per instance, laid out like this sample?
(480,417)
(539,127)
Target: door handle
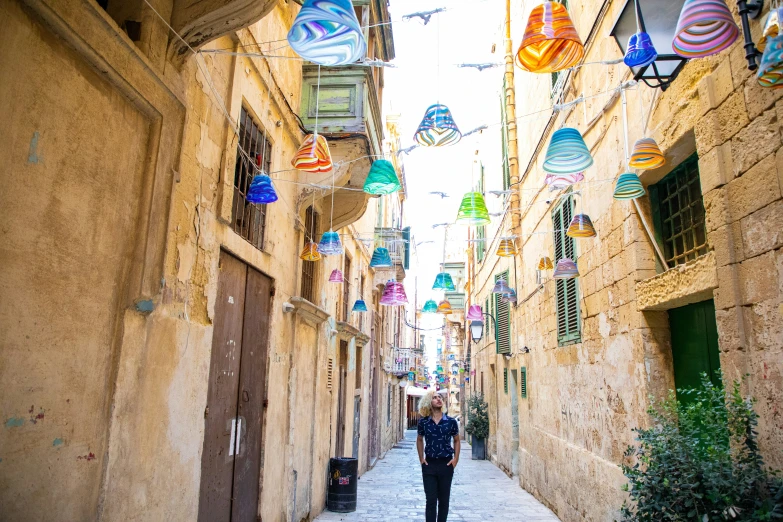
(245,396)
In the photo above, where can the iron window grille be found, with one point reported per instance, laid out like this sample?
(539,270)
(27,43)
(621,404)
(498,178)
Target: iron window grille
(248,219)
(678,213)
(309,267)
(567,290)
(505,380)
(523,380)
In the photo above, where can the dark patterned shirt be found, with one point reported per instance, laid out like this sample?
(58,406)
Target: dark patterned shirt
(437,437)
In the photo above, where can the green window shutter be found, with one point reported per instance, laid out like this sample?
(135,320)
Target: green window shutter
(503,318)
(566,290)
(406,237)
(480,234)
(523,382)
(505,380)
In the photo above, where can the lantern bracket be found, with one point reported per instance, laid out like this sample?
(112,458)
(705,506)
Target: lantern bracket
(750,9)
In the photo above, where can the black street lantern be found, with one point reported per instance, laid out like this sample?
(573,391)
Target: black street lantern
(659,21)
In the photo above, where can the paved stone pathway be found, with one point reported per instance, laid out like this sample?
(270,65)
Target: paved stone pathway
(393,491)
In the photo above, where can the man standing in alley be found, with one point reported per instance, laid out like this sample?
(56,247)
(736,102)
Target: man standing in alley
(439,458)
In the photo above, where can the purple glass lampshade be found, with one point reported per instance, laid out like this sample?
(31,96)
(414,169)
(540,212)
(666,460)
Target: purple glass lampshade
(394,294)
(501,287)
(474,313)
(336,276)
(566,269)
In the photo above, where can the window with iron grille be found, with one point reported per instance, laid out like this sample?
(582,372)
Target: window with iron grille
(503,318)
(567,290)
(523,380)
(249,220)
(309,267)
(505,380)
(678,213)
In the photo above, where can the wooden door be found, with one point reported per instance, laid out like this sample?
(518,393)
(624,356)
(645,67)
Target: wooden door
(357,413)
(694,344)
(230,463)
(341,410)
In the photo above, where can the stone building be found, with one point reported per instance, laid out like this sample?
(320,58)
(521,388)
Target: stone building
(166,354)
(568,370)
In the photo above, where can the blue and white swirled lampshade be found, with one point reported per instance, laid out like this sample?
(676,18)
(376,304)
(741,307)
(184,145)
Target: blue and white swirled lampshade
(430,307)
(567,152)
(381,258)
(443,281)
(261,190)
(359,306)
(437,128)
(641,51)
(330,244)
(628,186)
(327,32)
(501,287)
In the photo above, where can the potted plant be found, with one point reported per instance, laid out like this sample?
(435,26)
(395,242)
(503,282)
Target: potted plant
(478,425)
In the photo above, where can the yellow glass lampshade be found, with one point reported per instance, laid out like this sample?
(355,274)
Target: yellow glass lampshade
(506,248)
(551,42)
(310,252)
(646,155)
(545,263)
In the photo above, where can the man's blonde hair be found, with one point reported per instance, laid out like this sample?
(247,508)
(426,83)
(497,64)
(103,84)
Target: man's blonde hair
(425,404)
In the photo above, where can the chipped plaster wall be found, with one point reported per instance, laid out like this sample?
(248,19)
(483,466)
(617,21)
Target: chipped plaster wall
(584,399)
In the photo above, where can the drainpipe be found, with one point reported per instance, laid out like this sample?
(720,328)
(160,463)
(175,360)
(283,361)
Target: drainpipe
(511,117)
(646,226)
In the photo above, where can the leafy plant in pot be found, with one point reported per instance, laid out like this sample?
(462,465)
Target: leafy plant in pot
(478,425)
(699,460)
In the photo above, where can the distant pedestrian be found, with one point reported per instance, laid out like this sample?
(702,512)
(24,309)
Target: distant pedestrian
(438,459)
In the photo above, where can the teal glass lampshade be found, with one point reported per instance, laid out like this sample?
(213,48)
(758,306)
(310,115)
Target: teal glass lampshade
(330,244)
(628,186)
(437,128)
(567,152)
(327,32)
(473,210)
(359,306)
(382,178)
(381,258)
(443,281)
(430,307)
(261,190)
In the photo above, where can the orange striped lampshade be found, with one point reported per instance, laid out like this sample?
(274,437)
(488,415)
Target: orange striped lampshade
(551,42)
(581,226)
(506,248)
(313,155)
(545,263)
(646,155)
(310,252)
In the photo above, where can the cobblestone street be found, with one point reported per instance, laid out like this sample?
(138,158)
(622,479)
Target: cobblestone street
(393,491)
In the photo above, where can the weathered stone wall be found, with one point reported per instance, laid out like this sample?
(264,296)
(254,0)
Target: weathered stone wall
(584,399)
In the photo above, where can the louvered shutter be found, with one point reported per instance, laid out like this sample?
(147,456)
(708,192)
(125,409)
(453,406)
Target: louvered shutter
(503,317)
(567,291)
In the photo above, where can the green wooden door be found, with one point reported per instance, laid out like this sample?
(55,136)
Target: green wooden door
(694,344)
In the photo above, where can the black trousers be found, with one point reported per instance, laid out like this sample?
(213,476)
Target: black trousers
(437,487)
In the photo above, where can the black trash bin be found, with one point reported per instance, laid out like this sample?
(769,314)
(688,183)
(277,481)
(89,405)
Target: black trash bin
(341,497)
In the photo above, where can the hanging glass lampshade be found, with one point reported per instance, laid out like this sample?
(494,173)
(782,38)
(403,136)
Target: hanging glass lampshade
(430,307)
(437,128)
(551,42)
(510,297)
(359,306)
(382,178)
(474,314)
(411,376)
(473,210)
(628,186)
(261,190)
(581,226)
(506,248)
(545,263)
(327,32)
(561,181)
(567,152)
(705,27)
(330,244)
(443,281)
(444,307)
(336,276)
(381,258)
(771,68)
(771,28)
(566,269)
(310,252)
(394,294)
(640,52)
(313,155)
(646,155)
(501,287)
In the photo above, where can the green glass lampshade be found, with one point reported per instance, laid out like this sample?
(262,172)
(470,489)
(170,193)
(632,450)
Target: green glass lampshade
(382,179)
(473,210)
(443,281)
(430,307)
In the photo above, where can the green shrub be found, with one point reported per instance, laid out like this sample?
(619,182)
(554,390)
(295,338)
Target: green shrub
(478,418)
(700,461)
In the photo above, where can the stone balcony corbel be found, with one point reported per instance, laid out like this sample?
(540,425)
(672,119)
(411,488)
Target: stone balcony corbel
(308,312)
(346,332)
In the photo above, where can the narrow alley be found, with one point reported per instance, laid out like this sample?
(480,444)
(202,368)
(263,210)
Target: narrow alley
(392,491)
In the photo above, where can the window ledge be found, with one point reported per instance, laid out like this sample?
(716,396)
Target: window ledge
(685,284)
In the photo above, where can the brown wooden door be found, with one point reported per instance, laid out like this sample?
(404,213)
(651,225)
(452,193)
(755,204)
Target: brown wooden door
(231,459)
(341,406)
